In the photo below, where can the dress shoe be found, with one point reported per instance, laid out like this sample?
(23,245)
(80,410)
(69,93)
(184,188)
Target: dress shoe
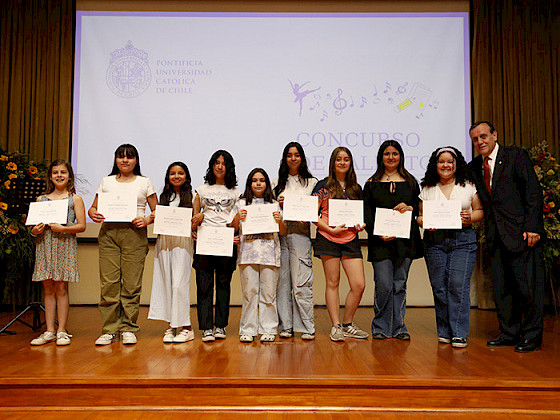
(501,341)
(527,346)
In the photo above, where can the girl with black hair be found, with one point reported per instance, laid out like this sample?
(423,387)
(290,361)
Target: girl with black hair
(122,248)
(295,283)
(391,187)
(451,253)
(173,256)
(259,262)
(213,203)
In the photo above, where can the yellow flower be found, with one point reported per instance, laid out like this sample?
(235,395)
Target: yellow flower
(552,204)
(12,176)
(550,172)
(4,206)
(11,166)
(552,158)
(32,170)
(4,158)
(13,229)
(7,184)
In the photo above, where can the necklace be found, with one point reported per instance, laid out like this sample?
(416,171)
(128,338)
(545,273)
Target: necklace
(389,176)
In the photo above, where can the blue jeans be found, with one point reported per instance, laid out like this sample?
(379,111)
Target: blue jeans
(294,297)
(390,297)
(450,266)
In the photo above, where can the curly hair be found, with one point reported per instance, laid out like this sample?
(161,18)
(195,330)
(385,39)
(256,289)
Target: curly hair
(185,194)
(333,186)
(462,172)
(284,171)
(231,178)
(248,194)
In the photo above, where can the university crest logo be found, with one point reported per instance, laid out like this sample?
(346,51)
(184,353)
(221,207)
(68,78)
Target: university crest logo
(128,74)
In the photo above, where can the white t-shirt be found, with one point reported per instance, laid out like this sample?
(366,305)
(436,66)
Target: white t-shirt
(142,187)
(216,202)
(464,194)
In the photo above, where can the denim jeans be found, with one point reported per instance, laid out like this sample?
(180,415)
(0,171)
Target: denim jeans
(390,297)
(450,266)
(295,284)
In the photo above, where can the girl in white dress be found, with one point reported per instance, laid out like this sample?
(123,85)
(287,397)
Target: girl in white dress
(170,299)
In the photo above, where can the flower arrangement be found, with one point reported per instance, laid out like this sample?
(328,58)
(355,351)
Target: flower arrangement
(547,169)
(17,246)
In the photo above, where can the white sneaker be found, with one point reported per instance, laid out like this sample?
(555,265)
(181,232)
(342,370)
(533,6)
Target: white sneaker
(337,333)
(353,331)
(105,339)
(184,336)
(220,333)
(308,336)
(168,335)
(62,338)
(246,338)
(44,338)
(128,337)
(268,338)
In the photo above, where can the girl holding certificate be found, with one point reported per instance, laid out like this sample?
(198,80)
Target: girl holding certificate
(122,248)
(295,282)
(340,244)
(173,256)
(451,253)
(212,206)
(391,187)
(56,254)
(259,263)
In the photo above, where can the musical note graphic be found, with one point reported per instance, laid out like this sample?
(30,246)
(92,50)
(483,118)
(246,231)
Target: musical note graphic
(329,97)
(387,87)
(317,105)
(374,91)
(325,115)
(420,115)
(352,100)
(364,102)
(390,100)
(402,88)
(339,103)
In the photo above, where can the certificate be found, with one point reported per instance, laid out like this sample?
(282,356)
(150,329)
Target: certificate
(389,222)
(346,212)
(442,214)
(55,211)
(117,207)
(301,208)
(260,219)
(173,221)
(213,240)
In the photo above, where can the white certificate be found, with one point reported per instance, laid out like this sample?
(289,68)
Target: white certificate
(213,240)
(260,219)
(117,207)
(301,208)
(389,222)
(173,221)
(55,211)
(346,212)
(442,214)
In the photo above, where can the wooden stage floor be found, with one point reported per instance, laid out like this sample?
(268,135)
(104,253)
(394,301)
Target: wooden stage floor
(289,378)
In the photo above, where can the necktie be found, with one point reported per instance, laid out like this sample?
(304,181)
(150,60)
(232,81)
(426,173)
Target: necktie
(487,175)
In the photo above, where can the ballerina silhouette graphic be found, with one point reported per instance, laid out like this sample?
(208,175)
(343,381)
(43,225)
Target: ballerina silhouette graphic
(296,89)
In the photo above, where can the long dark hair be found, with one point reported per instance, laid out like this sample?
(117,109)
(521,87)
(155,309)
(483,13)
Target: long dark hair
(49,185)
(130,152)
(401,170)
(462,172)
(230,178)
(248,194)
(284,170)
(333,186)
(185,193)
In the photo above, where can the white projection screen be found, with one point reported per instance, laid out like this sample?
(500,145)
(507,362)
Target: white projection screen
(180,86)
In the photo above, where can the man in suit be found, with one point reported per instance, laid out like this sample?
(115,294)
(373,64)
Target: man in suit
(513,208)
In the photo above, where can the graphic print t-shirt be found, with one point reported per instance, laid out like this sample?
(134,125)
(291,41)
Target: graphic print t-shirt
(217,202)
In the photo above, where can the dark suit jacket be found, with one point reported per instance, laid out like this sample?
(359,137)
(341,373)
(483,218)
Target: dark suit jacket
(516,202)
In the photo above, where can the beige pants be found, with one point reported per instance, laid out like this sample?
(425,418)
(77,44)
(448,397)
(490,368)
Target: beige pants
(122,252)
